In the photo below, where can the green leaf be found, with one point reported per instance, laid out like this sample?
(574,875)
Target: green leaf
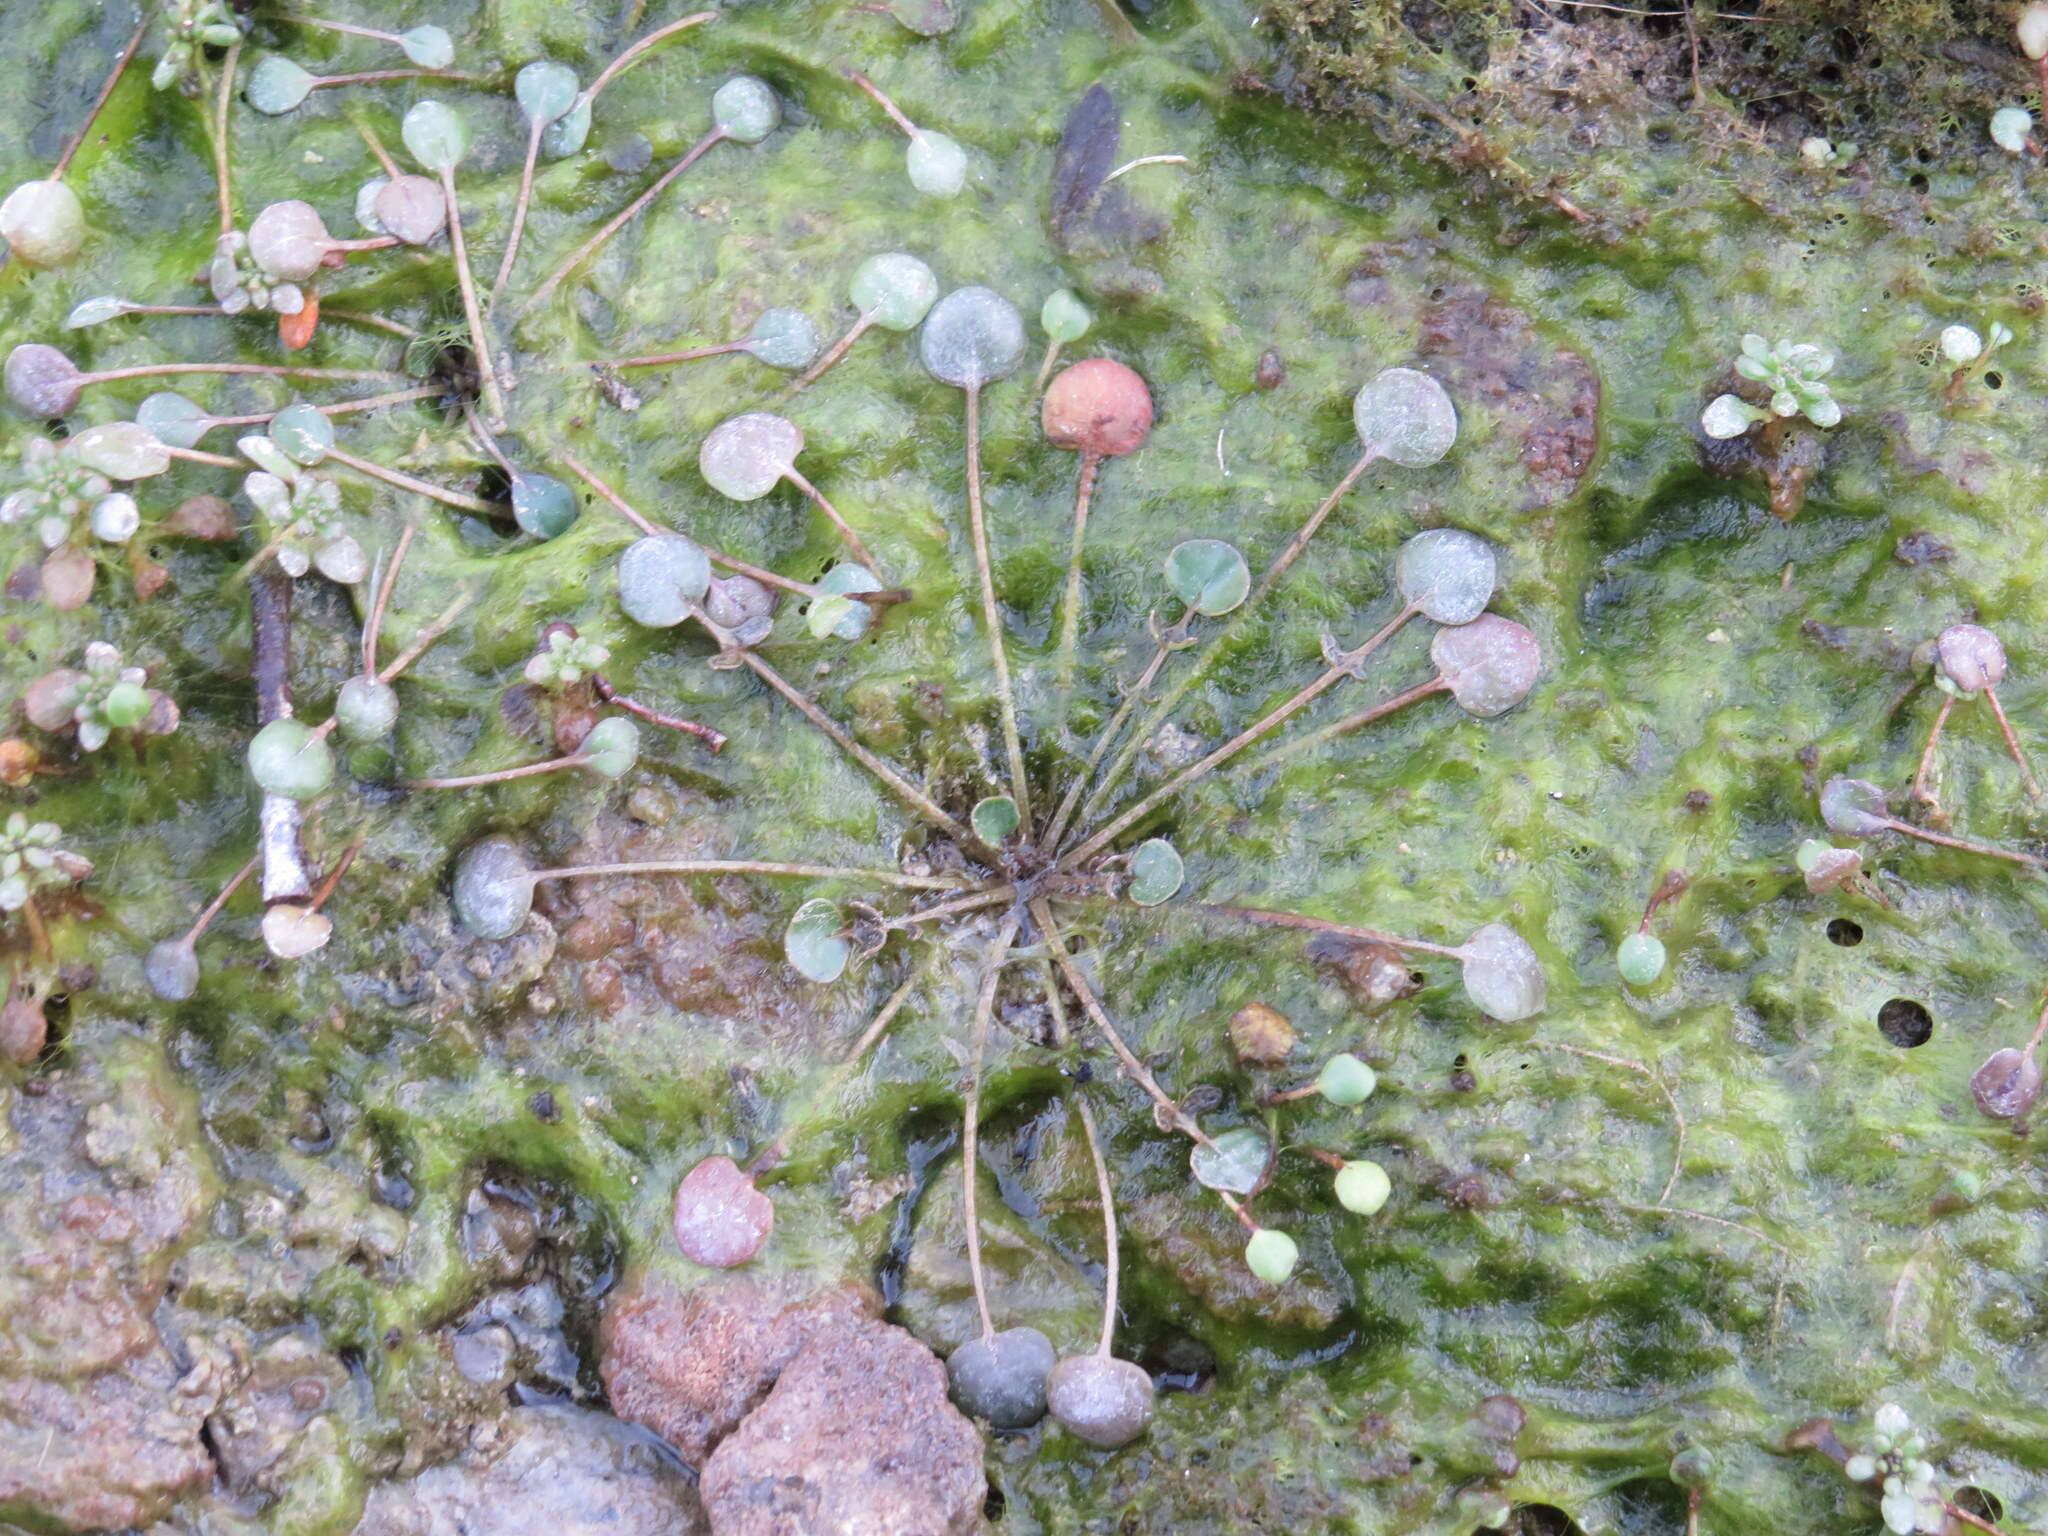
(994,818)
(1156,872)
(277,85)
(430,47)
(1209,574)
(435,135)
(545,90)
(1236,1161)
(813,941)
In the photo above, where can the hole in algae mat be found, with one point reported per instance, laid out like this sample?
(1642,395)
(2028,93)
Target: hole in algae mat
(1845,931)
(1905,1022)
(1981,1502)
(1541,1520)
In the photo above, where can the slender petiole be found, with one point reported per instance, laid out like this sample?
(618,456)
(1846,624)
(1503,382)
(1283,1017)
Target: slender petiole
(533,135)
(874,91)
(375,625)
(753,867)
(487,381)
(213,908)
(1110,1258)
(584,251)
(274,370)
(2012,743)
(1964,845)
(992,618)
(1070,622)
(775,1152)
(712,738)
(1108,735)
(1322,734)
(973,901)
(617,66)
(1345,666)
(662,359)
(121,62)
(1170,1112)
(500,776)
(833,353)
(1053,349)
(1318,925)
(846,534)
(405,482)
(970,1127)
(1925,772)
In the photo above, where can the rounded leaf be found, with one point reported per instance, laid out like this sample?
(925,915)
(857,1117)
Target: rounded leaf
(720,1220)
(1404,415)
(430,47)
(612,746)
(93,311)
(366,709)
(1346,1081)
(1235,1161)
(1970,657)
(1447,575)
(302,433)
(1097,407)
(2008,1083)
(286,758)
(411,208)
(277,85)
(1156,872)
(784,338)
(115,518)
(435,135)
(493,888)
(1640,959)
(41,380)
(569,132)
(1063,316)
(1502,975)
(1490,664)
(747,108)
(288,240)
(1271,1255)
(292,932)
(1854,807)
(745,457)
(2010,129)
(172,970)
(542,505)
(895,290)
(1209,575)
(43,223)
(120,450)
(172,418)
(994,819)
(837,614)
(1363,1186)
(660,578)
(1001,1378)
(972,337)
(814,942)
(937,165)
(546,89)
(1099,1399)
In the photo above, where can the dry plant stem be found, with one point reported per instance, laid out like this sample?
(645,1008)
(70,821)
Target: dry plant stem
(341,408)
(1052,356)
(901,787)
(1132,165)
(351,30)
(388,326)
(1715,1221)
(1921,775)
(1270,919)
(1110,1261)
(617,66)
(1070,620)
(411,653)
(881,1023)
(375,76)
(487,381)
(121,61)
(584,251)
(223,180)
(213,907)
(895,114)
(833,353)
(272,370)
(405,482)
(2012,744)
(753,867)
(38,934)
(499,776)
(992,619)
(1677,1114)
(661,359)
(199,456)
(970,1125)
(519,211)
(974,901)
(383,600)
(1107,738)
(341,867)
(846,533)
(714,739)
(2033,860)
(1969,1519)
(1170,1112)
(1206,657)
(377,149)
(1322,734)
(270,613)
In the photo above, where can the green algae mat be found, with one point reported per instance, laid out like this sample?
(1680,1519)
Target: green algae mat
(1442,869)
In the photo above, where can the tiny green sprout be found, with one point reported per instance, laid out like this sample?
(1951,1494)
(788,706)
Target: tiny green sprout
(1894,1457)
(815,941)
(1363,1187)
(2012,130)
(1208,575)
(43,223)
(239,282)
(64,486)
(31,861)
(994,819)
(1156,872)
(191,27)
(1794,374)
(1346,1081)
(435,135)
(277,85)
(1064,317)
(662,578)
(1235,1162)
(565,659)
(289,759)
(98,698)
(837,613)
(1271,1255)
(303,516)
(1821,155)
(1640,959)
(1969,354)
